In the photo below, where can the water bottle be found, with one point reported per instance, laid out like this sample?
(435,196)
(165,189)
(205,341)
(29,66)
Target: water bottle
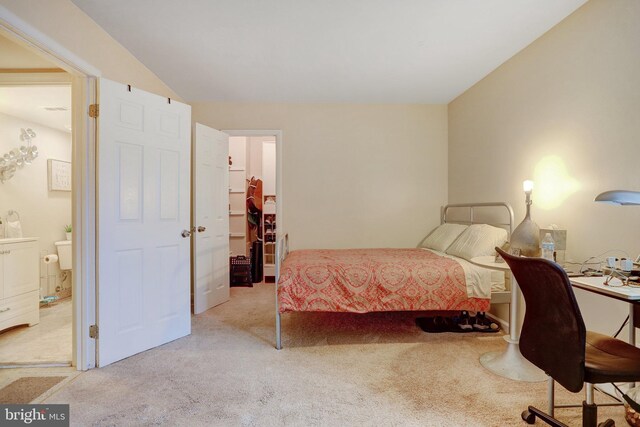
(548,247)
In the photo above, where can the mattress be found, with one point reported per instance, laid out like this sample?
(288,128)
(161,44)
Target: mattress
(480,281)
(477,279)
(498,283)
(369,280)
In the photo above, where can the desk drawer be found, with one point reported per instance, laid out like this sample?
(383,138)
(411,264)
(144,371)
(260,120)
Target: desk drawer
(19,305)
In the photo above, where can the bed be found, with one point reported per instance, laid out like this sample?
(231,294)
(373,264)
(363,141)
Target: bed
(435,276)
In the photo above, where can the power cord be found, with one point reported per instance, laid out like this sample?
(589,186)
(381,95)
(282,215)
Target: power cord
(606,393)
(627,399)
(634,405)
(622,327)
(586,262)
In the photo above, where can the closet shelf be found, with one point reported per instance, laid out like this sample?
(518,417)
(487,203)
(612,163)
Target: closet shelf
(236,213)
(236,235)
(235,190)
(236,169)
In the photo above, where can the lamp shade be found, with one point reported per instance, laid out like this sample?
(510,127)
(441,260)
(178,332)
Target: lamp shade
(619,197)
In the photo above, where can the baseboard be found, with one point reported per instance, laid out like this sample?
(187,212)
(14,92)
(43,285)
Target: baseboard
(35,365)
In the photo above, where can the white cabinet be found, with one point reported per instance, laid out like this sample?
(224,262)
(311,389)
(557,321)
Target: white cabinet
(19,279)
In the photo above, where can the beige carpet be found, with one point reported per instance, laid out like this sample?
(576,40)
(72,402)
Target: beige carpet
(335,370)
(45,343)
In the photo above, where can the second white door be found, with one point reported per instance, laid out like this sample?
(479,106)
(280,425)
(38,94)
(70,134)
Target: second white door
(210,218)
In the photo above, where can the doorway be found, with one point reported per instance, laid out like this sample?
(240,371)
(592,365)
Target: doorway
(255,209)
(36,148)
(27,60)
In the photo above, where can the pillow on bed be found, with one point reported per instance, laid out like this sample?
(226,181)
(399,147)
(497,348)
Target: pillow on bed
(443,236)
(478,240)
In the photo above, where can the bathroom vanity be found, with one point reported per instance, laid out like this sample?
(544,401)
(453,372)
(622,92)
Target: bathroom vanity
(19,282)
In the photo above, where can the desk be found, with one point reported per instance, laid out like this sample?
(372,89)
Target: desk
(622,293)
(509,363)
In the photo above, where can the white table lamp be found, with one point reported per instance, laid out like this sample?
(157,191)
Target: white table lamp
(526,237)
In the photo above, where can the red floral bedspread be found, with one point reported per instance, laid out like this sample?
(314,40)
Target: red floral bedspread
(367,280)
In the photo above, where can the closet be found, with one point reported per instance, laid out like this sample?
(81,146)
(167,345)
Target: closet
(253,222)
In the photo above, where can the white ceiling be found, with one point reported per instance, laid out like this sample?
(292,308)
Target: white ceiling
(27,102)
(368,51)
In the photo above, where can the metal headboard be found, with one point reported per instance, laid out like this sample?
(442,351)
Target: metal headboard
(471,218)
(499,297)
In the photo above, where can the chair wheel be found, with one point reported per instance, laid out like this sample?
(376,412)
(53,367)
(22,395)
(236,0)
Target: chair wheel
(529,417)
(607,423)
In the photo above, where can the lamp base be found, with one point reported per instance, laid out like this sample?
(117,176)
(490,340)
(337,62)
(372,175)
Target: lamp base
(511,364)
(526,238)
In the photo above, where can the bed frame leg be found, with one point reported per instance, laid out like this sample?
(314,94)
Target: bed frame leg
(278,336)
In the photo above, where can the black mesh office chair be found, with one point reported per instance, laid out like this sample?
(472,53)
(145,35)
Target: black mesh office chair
(554,338)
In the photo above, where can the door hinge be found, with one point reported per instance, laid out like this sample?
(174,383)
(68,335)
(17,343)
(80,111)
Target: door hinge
(93,331)
(94,110)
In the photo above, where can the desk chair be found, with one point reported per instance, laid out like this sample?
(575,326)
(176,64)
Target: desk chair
(554,338)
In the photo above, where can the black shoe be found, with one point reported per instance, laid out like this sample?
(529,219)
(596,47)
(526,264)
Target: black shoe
(464,322)
(484,324)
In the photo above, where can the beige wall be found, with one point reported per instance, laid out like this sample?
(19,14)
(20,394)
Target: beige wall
(353,175)
(573,94)
(65,23)
(43,213)
(16,56)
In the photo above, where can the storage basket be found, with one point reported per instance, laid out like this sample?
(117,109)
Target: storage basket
(240,271)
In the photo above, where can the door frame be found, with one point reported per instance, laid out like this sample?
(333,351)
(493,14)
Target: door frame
(83,86)
(280,229)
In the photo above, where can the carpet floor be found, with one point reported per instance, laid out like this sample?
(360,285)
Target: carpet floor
(334,370)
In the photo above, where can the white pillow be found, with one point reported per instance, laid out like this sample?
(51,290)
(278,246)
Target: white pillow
(478,240)
(443,236)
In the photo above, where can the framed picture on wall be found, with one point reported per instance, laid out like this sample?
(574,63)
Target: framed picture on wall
(59,175)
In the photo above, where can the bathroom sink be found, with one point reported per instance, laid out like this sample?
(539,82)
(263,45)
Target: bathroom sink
(17,239)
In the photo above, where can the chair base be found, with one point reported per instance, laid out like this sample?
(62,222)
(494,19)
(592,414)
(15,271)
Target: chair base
(589,417)
(532,412)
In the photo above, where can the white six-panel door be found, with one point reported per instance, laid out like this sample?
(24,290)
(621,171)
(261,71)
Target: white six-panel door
(210,218)
(143,205)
